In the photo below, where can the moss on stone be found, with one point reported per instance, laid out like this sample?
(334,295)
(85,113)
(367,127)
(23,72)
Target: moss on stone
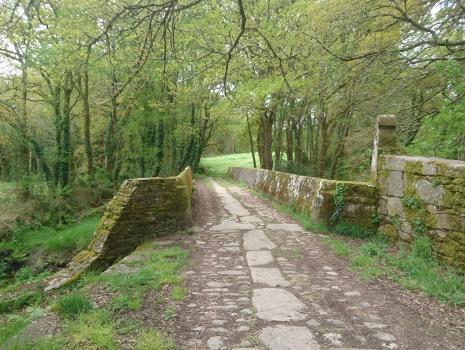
(414,167)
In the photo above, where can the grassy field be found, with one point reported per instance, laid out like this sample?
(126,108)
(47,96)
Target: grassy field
(218,165)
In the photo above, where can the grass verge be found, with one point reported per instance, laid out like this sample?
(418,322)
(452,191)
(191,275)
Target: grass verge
(87,328)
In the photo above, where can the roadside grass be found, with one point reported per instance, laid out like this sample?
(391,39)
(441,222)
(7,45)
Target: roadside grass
(341,248)
(154,340)
(161,268)
(72,305)
(28,298)
(87,328)
(371,256)
(415,268)
(218,165)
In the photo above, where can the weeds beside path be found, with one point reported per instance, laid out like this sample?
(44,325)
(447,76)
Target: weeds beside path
(131,305)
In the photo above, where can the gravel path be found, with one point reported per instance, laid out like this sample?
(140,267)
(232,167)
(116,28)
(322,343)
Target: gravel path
(257,280)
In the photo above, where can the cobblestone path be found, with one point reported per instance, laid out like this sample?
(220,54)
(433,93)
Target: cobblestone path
(257,280)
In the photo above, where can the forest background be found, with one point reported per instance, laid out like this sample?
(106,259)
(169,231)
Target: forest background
(94,92)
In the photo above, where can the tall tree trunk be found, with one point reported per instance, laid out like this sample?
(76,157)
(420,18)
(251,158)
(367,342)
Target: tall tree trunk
(86,110)
(25,149)
(56,96)
(110,137)
(66,151)
(206,128)
(158,156)
(297,131)
(289,142)
(265,131)
(278,141)
(249,131)
(324,145)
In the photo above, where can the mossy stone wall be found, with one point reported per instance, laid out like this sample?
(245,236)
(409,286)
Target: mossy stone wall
(141,209)
(313,195)
(424,196)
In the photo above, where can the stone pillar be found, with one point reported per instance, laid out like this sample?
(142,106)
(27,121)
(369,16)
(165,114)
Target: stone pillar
(385,141)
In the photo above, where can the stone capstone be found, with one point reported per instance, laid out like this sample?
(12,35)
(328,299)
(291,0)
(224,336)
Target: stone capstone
(257,240)
(275,304)
(283,337)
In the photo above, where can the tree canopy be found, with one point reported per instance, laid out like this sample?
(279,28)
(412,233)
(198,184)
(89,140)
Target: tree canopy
(98,91)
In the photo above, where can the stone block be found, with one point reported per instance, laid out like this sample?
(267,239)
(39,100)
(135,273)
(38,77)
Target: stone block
(450,222)
(393,184)
(394,206)
(429,193)
(394,163)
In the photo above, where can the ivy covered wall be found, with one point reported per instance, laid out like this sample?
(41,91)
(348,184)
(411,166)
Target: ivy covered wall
(325,201)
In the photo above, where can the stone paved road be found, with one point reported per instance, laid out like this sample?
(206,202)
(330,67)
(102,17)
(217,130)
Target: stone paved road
(257,280)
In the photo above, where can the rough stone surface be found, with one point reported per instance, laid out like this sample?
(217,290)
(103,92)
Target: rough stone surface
(288,338)
(256,240)
(275,304)
(259,257)
(268,275)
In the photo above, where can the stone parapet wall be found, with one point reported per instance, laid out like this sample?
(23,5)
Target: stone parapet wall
(141,209)
(424,196)
(313,195)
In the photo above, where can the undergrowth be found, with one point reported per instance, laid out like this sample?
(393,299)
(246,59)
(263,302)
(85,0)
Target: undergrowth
(73,236)
(88,328)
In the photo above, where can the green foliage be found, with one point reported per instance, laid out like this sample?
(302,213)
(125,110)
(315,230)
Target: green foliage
(352,230)
(71,237)
(125,302)
(12,326)
(338,203)
(13,323)
(422,248)
(421,271)
(419,226)
(24,299)
(91,330)
(411,202)
(443,135)
(415,268)
(73,305)
(178,293)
